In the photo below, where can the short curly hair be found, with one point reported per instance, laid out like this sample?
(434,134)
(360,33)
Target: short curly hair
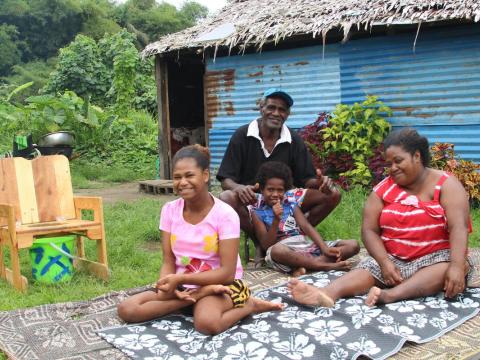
(274,169)
(410,141)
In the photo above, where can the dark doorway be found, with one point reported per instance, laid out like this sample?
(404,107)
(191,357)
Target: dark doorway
(186,104)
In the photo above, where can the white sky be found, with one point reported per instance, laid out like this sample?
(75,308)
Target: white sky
(212,5)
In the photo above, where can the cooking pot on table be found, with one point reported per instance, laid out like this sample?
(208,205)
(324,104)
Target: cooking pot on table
(58,138)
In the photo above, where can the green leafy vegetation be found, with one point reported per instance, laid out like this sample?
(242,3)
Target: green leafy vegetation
(346,145)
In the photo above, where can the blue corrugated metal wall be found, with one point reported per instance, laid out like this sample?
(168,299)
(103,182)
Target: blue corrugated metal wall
(435,88)
(234,84)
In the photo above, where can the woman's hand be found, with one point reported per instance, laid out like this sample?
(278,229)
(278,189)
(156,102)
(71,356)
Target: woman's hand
(168,283)
(391,274)
(454,280)
(185,294)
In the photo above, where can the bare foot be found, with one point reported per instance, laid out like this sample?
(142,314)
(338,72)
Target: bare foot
(373,296)
(309,295)
(207,290)
(342,266)
(299,272)
(260,306)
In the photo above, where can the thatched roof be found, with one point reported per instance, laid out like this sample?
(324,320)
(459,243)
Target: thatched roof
(256,22)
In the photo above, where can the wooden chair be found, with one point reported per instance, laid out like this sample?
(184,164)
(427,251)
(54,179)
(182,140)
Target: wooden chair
(36,198)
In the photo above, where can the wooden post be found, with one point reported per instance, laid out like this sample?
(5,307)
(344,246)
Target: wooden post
(164,147)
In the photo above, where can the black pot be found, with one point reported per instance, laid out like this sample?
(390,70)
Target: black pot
(56,150)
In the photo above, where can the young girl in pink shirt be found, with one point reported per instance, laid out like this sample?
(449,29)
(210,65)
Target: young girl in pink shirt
(201,265)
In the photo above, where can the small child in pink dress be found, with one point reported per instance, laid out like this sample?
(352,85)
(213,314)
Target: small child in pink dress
(201,265)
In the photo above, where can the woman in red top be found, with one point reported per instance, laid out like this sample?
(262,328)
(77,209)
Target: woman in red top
(415,228)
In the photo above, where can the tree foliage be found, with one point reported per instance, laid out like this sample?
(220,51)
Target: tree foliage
(37,71)
(36,30)
(44,25)
(108,72)
(154,20)
(80,68)
(9,50)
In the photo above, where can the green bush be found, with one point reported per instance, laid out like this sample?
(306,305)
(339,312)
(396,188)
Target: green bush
(123,147)
(347,144)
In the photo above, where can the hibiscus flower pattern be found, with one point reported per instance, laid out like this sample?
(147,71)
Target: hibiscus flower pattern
(348,330)
(195,265)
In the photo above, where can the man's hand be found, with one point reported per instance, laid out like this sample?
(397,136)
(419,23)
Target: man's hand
(278,210)
(391,274)
(325,184)
(454,280)
(246,193)
(168,283)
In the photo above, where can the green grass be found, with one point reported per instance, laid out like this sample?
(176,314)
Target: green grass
(345,221)
(474,239)
(93,176)
(134,252)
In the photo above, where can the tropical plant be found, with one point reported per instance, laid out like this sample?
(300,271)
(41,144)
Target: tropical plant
(347,144)
(443,157)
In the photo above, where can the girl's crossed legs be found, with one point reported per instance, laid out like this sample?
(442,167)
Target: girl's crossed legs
(213,309)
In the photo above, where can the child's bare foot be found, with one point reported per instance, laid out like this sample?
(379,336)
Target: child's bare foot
(309,295)
(299,272)
(260,306)
(373,296)
(214,290)
(220,289)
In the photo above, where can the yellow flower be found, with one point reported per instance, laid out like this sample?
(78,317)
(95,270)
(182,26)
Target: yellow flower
(173,238)
(211,243)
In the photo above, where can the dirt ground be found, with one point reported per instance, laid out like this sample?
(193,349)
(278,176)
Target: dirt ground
(127,192)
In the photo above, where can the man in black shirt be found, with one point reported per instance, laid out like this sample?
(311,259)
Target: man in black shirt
(269,139)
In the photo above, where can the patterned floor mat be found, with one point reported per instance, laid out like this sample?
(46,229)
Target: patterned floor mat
(347,331)
(67,330)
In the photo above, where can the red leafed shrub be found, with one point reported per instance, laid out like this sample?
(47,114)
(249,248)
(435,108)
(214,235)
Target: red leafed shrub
(311,136)
(467,172)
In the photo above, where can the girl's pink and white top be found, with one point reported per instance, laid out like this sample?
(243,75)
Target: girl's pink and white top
(196,246)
